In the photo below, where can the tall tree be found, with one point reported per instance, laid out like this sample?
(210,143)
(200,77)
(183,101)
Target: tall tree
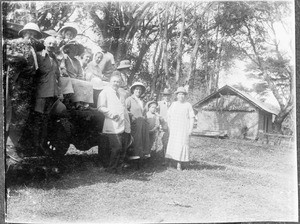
(254,34)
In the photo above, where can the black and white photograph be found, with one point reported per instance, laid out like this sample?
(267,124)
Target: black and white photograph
(149,111)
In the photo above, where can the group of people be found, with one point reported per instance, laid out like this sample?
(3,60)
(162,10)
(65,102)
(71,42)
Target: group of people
(64,71)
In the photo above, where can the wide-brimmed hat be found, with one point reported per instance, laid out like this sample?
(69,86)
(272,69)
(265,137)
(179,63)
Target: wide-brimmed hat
(31,26)
(148,104)
(138,84)
(181,89)
(124,64)
(79,46)
(166,92)
(71,28)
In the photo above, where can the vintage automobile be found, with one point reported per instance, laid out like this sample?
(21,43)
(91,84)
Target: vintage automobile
(82,128)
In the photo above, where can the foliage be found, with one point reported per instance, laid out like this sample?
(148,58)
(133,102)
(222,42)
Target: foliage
(173,44)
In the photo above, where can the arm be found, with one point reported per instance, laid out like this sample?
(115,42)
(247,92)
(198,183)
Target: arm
(102,102)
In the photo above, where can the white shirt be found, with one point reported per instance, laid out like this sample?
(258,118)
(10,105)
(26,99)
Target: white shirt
(110,104)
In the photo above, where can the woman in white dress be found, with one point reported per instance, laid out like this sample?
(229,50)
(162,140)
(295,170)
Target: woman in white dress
(180,120)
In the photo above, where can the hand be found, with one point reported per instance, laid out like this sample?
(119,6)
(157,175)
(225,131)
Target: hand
(116,117)
(60,96)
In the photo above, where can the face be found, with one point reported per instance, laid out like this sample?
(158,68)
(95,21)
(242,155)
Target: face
(86,58)
(166,97)
(137,91)
(98,58)
(152,108)
(28,34)
(50,44)
(69,35)
(115,82)
(104,48)
(180,97)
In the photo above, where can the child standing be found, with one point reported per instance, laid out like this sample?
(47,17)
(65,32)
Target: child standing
(153,121)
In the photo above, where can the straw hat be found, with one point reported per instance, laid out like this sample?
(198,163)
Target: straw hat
(181,90)
(71,28)
(166,92)
(79,46)
(31,26)
(124,64)
(138,84)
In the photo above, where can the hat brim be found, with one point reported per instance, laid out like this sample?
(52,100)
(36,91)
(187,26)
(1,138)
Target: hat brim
(124,66)
(73,30)
(78,45)
(150,103)
(133,87)
(39,34)
(180,92)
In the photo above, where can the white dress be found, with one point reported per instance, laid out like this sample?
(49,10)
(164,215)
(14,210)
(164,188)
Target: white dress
(179,115)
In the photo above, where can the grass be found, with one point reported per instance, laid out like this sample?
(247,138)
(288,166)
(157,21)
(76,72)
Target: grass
(226,181)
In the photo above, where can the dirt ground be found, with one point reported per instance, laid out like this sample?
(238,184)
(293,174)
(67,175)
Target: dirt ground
(226,181)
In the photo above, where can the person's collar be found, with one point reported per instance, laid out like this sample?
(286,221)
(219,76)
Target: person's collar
(45,52)
(135,97)
(113,88)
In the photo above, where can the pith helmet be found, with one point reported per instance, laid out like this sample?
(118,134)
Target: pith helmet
(31,26)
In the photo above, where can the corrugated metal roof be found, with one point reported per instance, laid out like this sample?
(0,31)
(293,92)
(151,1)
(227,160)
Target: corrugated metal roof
(255,102)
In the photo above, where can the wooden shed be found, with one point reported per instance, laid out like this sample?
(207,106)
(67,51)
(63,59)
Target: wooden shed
(234,112)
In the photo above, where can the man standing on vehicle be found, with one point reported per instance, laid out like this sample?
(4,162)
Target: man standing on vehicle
(47,90)
(107,63)
(123,70)
(116,124)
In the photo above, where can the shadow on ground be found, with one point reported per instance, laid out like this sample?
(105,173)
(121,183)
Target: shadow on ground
(75,170)
(196,165)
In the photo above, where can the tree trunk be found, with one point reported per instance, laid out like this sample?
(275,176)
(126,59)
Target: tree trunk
(193,57)
(165,47)
(179,47)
